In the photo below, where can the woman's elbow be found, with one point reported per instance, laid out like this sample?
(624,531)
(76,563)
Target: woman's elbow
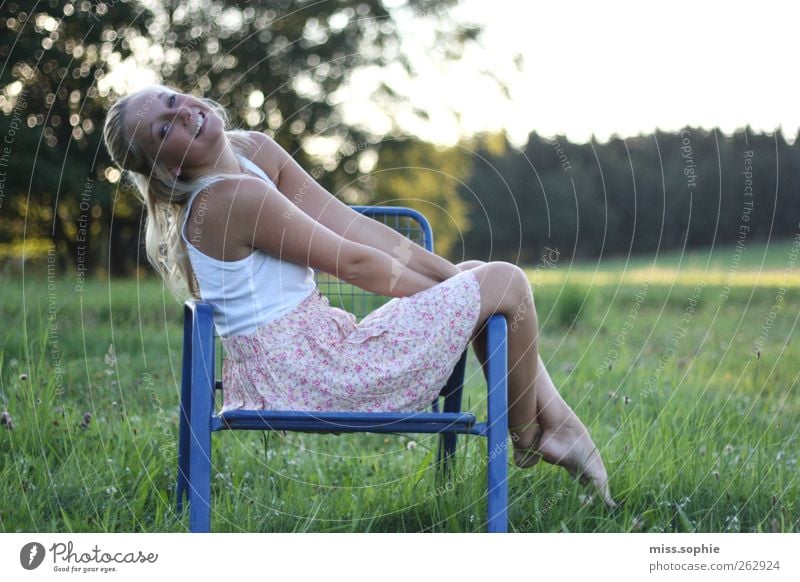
(356,263)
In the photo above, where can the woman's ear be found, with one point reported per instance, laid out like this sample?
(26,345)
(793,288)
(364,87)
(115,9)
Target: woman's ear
(176,172)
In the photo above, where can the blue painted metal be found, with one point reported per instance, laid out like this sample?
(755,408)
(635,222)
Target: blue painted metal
(343,421)
(186,399)
(202,374)
(452,403)
(401,211)
(497,437)
(198,421)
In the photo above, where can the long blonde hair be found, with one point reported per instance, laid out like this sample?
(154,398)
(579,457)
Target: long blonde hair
(164,195)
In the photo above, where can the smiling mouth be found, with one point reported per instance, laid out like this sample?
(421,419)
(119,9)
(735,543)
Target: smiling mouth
(199,124)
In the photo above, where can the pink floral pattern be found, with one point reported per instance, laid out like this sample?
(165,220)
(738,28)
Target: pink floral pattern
(317,357)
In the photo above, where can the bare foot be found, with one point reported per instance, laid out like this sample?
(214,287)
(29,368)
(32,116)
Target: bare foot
(526,454)
(526,458)
(570,446)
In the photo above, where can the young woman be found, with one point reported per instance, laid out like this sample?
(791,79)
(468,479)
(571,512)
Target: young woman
(233,219)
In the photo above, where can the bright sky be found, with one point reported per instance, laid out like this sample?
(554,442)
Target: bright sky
(599,68)
(613,67)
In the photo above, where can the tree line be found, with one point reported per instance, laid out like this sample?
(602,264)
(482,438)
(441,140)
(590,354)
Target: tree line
(665,190)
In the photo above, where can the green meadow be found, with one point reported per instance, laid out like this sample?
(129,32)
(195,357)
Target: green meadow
(682,365)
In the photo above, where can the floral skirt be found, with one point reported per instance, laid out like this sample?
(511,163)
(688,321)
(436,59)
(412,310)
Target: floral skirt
(317,357)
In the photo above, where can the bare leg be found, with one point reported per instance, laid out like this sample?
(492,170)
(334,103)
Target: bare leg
(522,361)
(479,341)
(541,424)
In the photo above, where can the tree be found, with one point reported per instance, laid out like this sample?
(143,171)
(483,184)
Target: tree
(53,58)
(274,65)
(420,175)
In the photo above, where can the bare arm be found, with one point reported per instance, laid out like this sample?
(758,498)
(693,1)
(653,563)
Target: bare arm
(385,275)
(265,219)
(304,191)
(376,234)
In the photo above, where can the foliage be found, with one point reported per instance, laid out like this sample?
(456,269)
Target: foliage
(55,59)
(643,194)
(573,300)
(420,175)
(276,66)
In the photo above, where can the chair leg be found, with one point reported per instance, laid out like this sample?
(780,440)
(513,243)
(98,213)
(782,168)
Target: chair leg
(452,393)
(183,458)
(185,411)
(446,453)
(497,470)
(200,478)
(203,376)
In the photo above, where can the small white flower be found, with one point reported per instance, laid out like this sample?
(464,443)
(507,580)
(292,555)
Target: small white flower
(110,358)
(411,445)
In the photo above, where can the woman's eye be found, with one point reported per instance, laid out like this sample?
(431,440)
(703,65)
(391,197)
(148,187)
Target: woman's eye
(165,127)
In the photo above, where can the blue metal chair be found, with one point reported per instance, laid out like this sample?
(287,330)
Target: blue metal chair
(198,420)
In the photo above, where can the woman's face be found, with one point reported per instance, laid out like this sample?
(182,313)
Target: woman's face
(176,129)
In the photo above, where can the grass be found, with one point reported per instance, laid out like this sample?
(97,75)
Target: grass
(688,385)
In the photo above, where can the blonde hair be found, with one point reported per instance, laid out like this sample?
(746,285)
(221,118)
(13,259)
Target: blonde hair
(163,194)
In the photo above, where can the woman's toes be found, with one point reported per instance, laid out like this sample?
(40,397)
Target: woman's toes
(526,445)
(526,458)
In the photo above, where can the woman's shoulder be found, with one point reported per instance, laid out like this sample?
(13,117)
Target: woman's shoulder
(250,144)
(239,198)
(221,214)
(264,152)
(228,188)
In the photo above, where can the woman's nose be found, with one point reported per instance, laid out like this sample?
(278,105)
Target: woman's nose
(185,114)
(182,115)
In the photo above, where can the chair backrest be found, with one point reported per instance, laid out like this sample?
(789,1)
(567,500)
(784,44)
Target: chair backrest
(408,222)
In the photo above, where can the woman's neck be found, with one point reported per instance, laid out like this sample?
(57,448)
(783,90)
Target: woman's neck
(227,163)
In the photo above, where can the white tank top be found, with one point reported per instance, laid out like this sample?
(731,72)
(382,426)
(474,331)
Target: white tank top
(248,293)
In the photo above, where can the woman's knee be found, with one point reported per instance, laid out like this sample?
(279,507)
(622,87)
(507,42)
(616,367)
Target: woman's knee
(515,278)
(466,265)
(504,286)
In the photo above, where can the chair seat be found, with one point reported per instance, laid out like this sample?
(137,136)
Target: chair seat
(378,422)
